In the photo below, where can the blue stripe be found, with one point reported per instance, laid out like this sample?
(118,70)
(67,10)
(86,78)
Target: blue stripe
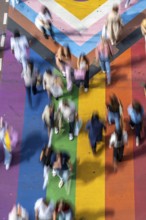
(89,45)
(34,137)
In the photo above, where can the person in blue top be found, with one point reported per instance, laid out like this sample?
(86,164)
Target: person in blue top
(95,129)
(136,114)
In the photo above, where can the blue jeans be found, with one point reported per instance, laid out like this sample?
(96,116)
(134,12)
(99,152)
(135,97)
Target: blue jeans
(65,216)
(105,66)
(8,157)
(114,118)
(62,174)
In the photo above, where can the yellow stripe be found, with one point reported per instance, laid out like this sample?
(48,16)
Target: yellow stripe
(81,9)
(90,176)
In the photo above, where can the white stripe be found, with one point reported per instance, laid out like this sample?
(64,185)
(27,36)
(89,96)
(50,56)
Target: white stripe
(73,21)
(2,42)
(5,18)
(0,64)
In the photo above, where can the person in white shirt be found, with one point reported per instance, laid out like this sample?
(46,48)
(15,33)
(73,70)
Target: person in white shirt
(43,22)
(117,141)
(44,209)
(18,213)
(30,79)
(68,110)
(19,45)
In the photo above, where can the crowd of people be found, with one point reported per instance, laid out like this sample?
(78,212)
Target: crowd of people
(59,163)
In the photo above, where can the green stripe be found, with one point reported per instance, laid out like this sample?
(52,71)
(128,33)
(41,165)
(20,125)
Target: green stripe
(62,143)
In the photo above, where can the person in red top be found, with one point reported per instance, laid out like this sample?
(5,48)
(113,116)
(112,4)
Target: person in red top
(63,211)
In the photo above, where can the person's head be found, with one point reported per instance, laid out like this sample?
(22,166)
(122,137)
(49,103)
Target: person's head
(16,34)
(45,10)
(94,118)
(49,72)
(45,201)
(136,106)
(65,102)
(115,8)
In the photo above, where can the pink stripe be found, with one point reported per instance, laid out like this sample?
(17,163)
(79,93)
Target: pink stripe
(71,32)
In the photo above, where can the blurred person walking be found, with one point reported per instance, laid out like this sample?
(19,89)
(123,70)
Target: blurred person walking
(103,53)
(61,167)
(18,213)
(43,22)
(82,72)
(63,62)
(117,141)
(114,25)
(19,45)
(136,114)
(95,129)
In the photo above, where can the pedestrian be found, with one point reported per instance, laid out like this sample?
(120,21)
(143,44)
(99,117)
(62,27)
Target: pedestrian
(63,62)
(61,167)
(95,129)
(114,25)
(63,211)
(19,45)
(103,53)
(45,159)
(136,114)
(68,110)
(117,141)
(18,213)
(82,71)
(115,112)
(48,118)
(44,209)
(43,22)
(30,80)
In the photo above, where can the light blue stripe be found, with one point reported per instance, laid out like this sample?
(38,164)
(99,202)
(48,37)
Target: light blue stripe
(34,137)
(89,45)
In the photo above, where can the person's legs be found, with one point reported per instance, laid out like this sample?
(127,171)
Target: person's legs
(138,128)
(110,117)
(93,146)
(28,92)
(68,216)
(7,159)
(50,137)
(34,89)
(68,78)
(108,71)
(51,31)
(60,66)
(71,130)
(102,65)
(46,176)
(86,81)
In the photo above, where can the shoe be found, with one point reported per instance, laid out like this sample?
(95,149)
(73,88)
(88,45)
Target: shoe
(60,184)
(7,166)
(54,173)
(85,89)
(71,137)
(56,131)
(64,74)
(137,141)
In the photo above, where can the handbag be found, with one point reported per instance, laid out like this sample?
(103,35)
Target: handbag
(79,74)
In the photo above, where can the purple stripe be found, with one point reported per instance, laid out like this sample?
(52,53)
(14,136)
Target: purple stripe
(12,99)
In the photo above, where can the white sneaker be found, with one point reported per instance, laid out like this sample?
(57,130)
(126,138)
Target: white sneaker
(63,73)
(60,184)
(85,89)
(7,166)
(71,137)
(54,173)
(137,141)
(56,130)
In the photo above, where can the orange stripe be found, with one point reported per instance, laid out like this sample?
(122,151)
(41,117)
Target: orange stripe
(120,186)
